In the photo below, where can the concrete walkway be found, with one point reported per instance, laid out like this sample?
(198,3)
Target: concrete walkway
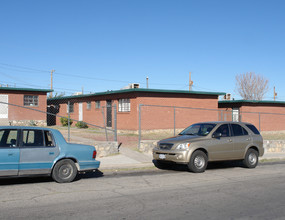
(129,158)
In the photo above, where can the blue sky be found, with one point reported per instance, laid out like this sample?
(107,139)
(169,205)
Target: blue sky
(101,45)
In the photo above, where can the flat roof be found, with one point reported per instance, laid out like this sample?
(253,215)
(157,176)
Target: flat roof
(140,90)
(251,101)
(25,89)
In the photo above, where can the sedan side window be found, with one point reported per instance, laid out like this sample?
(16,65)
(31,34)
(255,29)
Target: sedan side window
(224,130)
(8,138)
(49,139)
(33,138)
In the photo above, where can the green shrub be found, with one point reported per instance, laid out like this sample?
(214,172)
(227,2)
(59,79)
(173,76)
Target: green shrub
(81,124)
(64,121)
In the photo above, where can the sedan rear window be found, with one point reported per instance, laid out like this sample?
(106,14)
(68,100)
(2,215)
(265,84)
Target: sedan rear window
(252,128)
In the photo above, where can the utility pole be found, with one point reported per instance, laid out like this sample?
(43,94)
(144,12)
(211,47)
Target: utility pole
(51,80)
(190,82)
(275,94)
(147,82)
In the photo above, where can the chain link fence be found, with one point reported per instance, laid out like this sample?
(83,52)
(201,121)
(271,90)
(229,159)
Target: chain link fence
(86,121)
(157,122)
(65,117)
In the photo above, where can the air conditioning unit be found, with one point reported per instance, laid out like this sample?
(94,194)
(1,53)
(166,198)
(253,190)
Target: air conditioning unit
(227,96)
(134,86)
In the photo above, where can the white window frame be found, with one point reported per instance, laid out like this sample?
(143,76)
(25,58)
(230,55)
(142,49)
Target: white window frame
(97,104)
(124,105)
(71,107)
(88,105)
(31,100)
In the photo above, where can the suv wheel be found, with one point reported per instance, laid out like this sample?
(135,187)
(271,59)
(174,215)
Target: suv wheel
(198,162)
(251,159)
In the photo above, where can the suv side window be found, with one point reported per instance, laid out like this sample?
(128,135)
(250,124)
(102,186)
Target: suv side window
(252,128)
(224,130)
(238,130)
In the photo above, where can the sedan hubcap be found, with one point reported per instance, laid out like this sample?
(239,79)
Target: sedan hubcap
(65,171)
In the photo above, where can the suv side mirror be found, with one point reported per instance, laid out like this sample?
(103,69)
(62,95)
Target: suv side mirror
(217,135)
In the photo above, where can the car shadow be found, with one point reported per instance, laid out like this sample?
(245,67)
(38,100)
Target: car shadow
(45,179)
(211,166)
(24,180)
(89,175)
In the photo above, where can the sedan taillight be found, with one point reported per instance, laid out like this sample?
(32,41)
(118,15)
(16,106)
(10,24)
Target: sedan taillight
(94,154)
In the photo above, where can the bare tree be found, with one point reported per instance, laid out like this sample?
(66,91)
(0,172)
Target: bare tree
(251,86)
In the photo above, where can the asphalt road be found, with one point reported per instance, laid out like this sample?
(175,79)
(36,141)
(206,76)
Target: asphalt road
(219,193)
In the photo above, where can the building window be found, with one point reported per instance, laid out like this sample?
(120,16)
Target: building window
(88,105)
(71,108)
(31,100)
(124,105)
(97,104)
(235,116)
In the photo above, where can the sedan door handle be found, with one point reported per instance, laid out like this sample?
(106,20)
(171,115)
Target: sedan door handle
(230,140)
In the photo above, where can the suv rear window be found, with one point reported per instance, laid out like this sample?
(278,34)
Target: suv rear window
(252,128)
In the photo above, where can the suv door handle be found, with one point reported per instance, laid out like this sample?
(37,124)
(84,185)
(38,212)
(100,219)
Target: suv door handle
(248,139)
(230,140)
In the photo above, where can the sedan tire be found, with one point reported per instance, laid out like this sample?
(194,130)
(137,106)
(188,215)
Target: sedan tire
(198,162)
(251,159)
(64,171)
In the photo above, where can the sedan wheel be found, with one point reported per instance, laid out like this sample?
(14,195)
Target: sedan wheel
(64,171)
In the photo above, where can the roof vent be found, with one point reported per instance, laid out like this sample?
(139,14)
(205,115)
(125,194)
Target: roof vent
(227,96)
(132,86)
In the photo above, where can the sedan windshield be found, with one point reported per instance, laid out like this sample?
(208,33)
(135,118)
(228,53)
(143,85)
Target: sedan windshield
(201,129)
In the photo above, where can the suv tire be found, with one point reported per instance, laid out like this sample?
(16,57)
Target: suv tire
(198,162)
(251,158)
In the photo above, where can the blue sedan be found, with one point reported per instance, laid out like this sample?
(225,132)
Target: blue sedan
(27,151)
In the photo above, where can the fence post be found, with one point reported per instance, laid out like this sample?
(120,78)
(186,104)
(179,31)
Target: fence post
(140,133)
(259,120)
(174,119)
(68,120)
(115,123)
(105,126)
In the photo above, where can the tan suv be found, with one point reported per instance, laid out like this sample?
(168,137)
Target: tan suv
(211,141)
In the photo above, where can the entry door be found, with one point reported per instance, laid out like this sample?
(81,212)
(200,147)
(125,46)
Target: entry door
(109,113)
(3,106)
(222,147)
(37,153)
(9,152)
(80,110)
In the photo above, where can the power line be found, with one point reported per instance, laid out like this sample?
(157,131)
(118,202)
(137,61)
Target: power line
(22,67)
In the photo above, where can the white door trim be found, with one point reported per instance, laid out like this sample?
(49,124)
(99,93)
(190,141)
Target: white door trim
(4,107)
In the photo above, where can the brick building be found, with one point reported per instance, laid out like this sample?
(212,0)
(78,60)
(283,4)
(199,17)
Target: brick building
(265,115)
(21,106)
(154,107)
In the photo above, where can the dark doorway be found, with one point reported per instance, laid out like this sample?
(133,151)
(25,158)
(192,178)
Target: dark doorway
(109,113)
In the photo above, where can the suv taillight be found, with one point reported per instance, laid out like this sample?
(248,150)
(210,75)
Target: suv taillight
(94,154)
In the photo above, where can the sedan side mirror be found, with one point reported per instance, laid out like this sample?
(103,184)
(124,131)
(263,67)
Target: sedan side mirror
(217,135)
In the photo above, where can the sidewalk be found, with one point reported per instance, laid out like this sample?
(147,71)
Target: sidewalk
(131,159)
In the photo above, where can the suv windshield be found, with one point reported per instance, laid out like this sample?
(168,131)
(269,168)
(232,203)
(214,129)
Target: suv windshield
(201,129)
